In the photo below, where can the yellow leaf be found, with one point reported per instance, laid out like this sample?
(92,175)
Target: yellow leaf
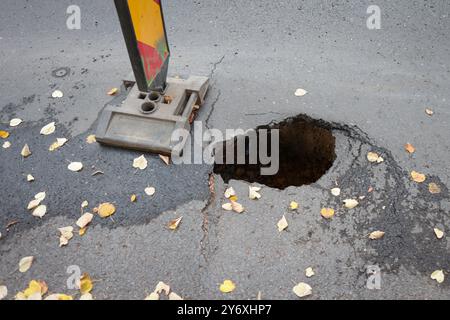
(91,139)
(25,264)
(233,198)
(106,209)
(410,148)
(64,297)
(302,290)
(327,213)
(57,144)
(173,224)
(375,235)
(282,224)
(434,188)
(82,231)
(113,91)
(438,275)
(293,205)
(33,287)
(25,151)
(418,177)
(133,198)
(85,284)
(374,157)
(227,286)
(4,134)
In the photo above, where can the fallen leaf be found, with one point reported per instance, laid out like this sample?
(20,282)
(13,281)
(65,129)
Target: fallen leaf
(25,264)
(174,296)
(140,163)
(86,297)
(84,220)
(35,291)
(15,122)
(57,94)
(3,292)
(57,144)
(4,134)
(282,224)
(375,235)
(59,296)
(40,196)
(30,178)
(150,191)
(82,231)
(439,233)
(309,272)
(25,151)
(227,206)
(418,177)
(350,203)
(91,139)
(229,192)
(253,193)
(6,145)
(293,205)
(152,296)
(327,213)
(173,224)
(75,166)
(227,286)
(438,275)
(48,129)
(300,92)
(302,290)
(33,204)
(66,235)
(434,188)
(86,285)
(106,209)
(113,91)
(40,211)
(133,198)
(84,204)
(336,192)
(165,159)
(161,286)
(233,198)
(168,99)
(410,148)
(374,157)
(429,111)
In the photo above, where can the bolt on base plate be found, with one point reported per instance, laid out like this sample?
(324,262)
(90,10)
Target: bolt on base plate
(145,121)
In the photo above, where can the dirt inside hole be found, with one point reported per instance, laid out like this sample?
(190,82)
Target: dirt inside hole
(306,152)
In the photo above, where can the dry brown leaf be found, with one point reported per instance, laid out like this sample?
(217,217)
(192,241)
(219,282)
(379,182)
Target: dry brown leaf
(26,152)
(25,264)
(4,134)
(327,213)
(90,139)
(253,193)
(410,148)
(106,209)
(140,163)
(227,286)
(418,177)
(113,91)
(438,275)
(282,224)
(439,233)
(375,235)
(165,159)
(15,122)
(302,290)
(40,211)
(173,224)
(84,220)
(75,166)
(350,203)
(434,188)
(48,129)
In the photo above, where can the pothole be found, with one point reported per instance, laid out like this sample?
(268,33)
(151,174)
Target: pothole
(306,152)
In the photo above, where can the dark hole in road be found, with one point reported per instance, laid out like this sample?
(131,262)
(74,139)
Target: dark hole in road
(306,152)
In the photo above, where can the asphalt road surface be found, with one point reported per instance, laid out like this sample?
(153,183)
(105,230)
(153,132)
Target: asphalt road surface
(370,86)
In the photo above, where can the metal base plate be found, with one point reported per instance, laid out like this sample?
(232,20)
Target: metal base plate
(145,121)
